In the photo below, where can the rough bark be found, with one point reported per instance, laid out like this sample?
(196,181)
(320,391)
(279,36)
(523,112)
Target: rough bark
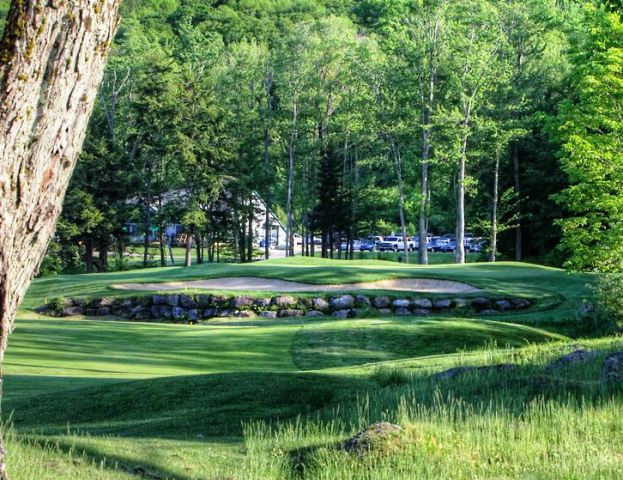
(52,60)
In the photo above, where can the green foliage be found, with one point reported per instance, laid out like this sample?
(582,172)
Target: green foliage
(609,299)
(592,152)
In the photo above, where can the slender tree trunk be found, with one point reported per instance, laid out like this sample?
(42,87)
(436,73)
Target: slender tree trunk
(163,257)
(423,219)
(460,207)
(250,236)
(52,61)
(171,252)
(401,198)
(267,222)
(189,249)
(518,229)
(494,208)
(290,194)
(198,249)
(147,221)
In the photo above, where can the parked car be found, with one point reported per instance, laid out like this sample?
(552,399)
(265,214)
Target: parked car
(440,243)
(367,245)
(448,247)
(344,245)
(396,244)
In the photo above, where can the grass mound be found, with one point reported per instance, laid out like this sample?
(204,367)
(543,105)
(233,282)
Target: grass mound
(347,343)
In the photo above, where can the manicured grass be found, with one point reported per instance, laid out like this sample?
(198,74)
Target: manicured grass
(269,399)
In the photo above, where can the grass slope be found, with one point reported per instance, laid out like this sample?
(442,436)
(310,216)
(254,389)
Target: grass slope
(270,398)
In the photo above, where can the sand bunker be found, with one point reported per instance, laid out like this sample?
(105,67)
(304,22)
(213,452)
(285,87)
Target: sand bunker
(274,285)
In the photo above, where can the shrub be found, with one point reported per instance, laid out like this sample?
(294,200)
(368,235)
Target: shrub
(609,302)
(390,376)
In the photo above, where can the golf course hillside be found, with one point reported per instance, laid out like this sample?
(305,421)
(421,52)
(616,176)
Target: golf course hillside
(371,393)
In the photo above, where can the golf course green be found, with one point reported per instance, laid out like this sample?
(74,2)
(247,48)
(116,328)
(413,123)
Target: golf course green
(275,398)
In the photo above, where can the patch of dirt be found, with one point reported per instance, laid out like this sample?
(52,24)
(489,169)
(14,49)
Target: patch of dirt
(426,285)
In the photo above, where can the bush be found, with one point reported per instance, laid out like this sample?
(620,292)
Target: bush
(609,301)
(390,376)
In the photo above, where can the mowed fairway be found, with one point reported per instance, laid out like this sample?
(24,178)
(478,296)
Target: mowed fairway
(262,398)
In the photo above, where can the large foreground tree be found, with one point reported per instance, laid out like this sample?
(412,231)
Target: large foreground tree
(52,59)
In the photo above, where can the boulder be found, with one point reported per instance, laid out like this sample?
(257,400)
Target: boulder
(291,312)
(401,303)
(342,302)
(204,301)
(239,303)
(245,314)
(453,372)
(160,311)
(403,311)
(385,311)
(103,302)
(187,301)
(314,313)
(375,436)
(481,303)
(460,303)
(42,310)
(344,313)
(193,315)
(141,312)
(284,301)
(262,302)
(521,303)
(219,301)
(320,303)
(268,314)
(71,311)
(102,311)
(178,313)
(421,312)
(78,302)
(577,356)
(381,302)
(159,299)
(504,305)
(612,369)
(210,313)
(226,313)
(442,303)
(488,311)
(421,303)
(362,301)
(173,300)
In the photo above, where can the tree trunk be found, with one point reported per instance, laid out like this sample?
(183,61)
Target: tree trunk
(88,255)
(103,255)
(147,218)
(290,194)
(494,207)
(198,247)
(189,249)
(52,61)
(163,257)
(460,207)
(518,232)
(170,251)
(401,198)
(422,247)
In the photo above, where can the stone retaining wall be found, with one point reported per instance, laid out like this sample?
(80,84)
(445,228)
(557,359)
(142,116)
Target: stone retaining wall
(183,308)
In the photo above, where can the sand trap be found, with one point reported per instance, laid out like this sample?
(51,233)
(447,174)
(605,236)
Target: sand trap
(274,285)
